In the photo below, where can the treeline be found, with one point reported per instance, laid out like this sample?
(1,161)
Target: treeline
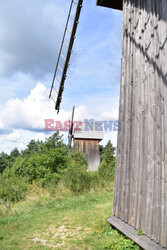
(49,165)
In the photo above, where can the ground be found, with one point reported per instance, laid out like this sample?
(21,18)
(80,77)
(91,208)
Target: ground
(61,221)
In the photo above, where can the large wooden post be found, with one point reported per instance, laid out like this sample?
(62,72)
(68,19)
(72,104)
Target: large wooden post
(140,196)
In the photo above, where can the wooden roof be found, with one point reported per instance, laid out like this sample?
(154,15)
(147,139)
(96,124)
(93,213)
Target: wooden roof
(115,4)
(88,133)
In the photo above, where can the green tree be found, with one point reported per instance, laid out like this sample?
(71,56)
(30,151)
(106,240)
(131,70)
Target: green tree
(56,140)
(4,161)
(32,147)
(107,165)
(107,148)
(14,153)
(101,150)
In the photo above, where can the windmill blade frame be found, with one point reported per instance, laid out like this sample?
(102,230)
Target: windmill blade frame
(61,71)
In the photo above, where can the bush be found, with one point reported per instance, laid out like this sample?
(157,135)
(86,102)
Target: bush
(43,167)
(76,177)
(12,187)
(79,160)
(95,180)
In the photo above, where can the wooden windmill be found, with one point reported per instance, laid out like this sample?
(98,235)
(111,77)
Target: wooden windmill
(87,141)
(140,196)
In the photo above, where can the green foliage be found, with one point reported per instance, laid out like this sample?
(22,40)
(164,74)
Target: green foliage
(44,167)
(107,237)
(14,154)
(12,187)
(56,140)
(79,159)
(4,161)
(40,162)
(75,176)
(48,163)
(107,166)
(139,232)
(32,147)
(107,148)
(8,160)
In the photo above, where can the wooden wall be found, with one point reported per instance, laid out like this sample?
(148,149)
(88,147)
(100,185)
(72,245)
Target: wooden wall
(91,150)
(140,196)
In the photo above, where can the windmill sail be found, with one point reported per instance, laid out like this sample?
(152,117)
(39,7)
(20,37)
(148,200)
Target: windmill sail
(65,53)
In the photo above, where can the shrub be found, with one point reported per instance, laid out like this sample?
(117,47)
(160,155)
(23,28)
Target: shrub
(12,187)
(95,180)
(43,167)
(76,177)
(79,160)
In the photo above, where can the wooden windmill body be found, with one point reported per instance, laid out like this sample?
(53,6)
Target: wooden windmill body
(140,195)
(87,141)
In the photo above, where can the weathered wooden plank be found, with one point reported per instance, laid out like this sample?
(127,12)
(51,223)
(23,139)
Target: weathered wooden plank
(138,79)
(118,176)
(132,114)
(143,241)
(126,163)
(148,46)
(163,235)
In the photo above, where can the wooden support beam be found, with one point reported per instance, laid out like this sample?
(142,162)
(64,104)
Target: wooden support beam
(114,4)
(143,241)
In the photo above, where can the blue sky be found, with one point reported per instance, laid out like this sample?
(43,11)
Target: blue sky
(30,38)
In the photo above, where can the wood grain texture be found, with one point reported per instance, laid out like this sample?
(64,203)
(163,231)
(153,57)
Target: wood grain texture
(90,148)
(140,192)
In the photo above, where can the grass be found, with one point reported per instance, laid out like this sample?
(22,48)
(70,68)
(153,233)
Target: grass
(61,221)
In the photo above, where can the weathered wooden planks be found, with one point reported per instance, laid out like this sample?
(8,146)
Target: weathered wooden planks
(91,150)
(140,196)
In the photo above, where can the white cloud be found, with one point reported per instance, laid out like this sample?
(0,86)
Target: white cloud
(39,136)
(14,136)
(29,113)
(28,35)
(1,125)
(25,117)
(110,136)
(110,115)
